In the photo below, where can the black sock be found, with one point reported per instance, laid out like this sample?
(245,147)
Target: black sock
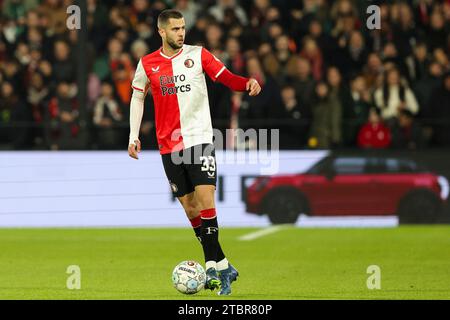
(210,238)
(198,234)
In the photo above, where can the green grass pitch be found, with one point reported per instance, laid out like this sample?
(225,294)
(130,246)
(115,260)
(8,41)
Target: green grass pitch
(290,264)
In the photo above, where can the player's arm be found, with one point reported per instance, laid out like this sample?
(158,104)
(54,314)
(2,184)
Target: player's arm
(218,72)
(238,83)
(140,86)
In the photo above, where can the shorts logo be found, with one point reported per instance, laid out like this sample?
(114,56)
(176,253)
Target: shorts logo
(189,63)
(174,187)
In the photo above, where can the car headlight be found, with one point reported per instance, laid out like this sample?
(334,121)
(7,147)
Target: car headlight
(443,183)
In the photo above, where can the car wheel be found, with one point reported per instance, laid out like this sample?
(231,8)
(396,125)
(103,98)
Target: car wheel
(419,207)
(284,206)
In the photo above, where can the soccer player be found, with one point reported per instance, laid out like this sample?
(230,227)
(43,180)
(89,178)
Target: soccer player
(174,74)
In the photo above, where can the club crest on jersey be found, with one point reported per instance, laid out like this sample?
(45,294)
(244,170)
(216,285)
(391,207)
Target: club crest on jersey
(174,187)
(188,63)
(155,70)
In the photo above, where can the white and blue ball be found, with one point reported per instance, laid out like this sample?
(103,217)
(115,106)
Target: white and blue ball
(189,277)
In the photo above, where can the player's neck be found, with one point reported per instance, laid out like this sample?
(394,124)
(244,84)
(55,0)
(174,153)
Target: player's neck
(168,50)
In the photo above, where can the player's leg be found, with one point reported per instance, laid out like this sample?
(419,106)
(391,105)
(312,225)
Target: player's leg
(192,210)
(202,173)
(193,213)
(201,170)
(182,189)
(204,194)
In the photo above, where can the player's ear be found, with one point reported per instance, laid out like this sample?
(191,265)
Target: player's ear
(161,32)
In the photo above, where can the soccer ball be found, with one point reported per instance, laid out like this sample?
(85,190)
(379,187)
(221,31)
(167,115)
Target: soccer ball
(189,277)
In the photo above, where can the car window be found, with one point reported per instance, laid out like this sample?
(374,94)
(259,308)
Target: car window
(400,166)
(349,165)
(321,166)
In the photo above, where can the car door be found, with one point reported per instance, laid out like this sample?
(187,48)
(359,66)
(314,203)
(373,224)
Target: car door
(392,182)
(344,188)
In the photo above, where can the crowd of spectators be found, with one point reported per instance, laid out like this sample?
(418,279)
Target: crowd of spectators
(328,80)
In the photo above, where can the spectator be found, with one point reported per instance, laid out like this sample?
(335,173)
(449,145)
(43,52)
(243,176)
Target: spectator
(107,117)
(13,75)
(437,33)
(37,100)
(218,11)
(303,82)
(97,19)
(64,69)
(140,12)
(258,13)
(189,9)
(54,13)
(422,12)
(196,35)
(122,79)
(13,116)
(272,27)
(118,19)
(394,96)
(214,37)
(418,62)
(46,70)
(285,60)
(256,112)
(234,59)
(404,30)
(440,109)
(138,49)
(426,86)
(356,110)
(357,54)
(311,52)
(35,38)
(391,56)
(407,133)
(22,54)
(340,96)
(374,134)
(294,133)
(373,71)
(62,119)
(441,58)
(325,42)
(326,126)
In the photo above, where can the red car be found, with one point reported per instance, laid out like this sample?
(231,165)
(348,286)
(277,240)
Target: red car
(351,186)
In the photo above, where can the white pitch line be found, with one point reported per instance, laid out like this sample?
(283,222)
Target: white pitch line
(261,233)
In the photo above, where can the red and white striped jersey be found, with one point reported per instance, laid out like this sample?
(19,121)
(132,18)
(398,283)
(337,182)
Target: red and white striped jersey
(180,95)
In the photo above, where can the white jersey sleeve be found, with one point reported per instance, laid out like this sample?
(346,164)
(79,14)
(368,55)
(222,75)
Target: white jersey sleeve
(140,81)
(140,86)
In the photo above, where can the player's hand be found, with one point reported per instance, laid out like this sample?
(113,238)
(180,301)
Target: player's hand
(253,86)
(134,149)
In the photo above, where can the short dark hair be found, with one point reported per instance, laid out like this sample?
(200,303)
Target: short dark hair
(376,110)
(165,15)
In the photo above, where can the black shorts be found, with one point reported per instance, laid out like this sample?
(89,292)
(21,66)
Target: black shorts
(190,167)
